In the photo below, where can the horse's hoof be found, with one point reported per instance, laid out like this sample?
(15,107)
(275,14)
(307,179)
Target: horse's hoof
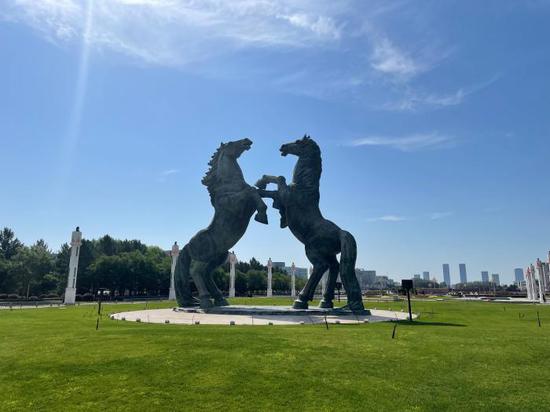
(261,217)
(188,303)
(206,303)
(326,304)
(355,306)
(298,304)
(221,302)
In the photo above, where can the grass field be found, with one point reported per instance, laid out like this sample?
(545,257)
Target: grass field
(458,356)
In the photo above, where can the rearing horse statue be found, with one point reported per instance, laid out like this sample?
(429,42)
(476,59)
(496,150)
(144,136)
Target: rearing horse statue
(234,202)
(298,204)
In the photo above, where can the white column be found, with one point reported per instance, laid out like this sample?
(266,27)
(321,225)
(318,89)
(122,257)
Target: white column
(542,298)
(70,291)
(174,253)
(232,263)
(269,278)
(527,276)
(534,293)
(293,280)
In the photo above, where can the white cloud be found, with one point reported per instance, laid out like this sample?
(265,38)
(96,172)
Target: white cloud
(388,218)
(177,32)
(407,143)
(440,215)
(169,171)
(389,59)
(165,174)
(416,100)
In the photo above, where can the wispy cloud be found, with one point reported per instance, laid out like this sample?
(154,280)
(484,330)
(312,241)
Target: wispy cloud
(354,49)
(440,215)
(414,100)
(177,32)
(165,174)
(408,143)
(169,172)
(389,59)
(388,218)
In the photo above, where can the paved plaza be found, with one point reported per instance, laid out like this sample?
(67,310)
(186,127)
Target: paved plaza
(171,316)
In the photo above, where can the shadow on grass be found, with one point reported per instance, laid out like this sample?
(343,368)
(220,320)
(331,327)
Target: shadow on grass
(421,323)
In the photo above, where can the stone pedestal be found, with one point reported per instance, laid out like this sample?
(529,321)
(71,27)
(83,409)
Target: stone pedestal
(70,291)
(232,263)
(174,253)
(269,278)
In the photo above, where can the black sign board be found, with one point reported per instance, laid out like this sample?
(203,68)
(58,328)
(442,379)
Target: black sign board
(407,284)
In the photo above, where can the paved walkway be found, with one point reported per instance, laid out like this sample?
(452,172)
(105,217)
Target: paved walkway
(170,316)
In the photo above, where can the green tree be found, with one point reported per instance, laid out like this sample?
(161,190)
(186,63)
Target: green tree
(7,281)
(256,280)
(31,264)
(9,244)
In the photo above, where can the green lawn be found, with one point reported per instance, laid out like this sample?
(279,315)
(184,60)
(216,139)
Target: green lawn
(458,356)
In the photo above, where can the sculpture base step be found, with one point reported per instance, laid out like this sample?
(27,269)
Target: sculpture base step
(271,310)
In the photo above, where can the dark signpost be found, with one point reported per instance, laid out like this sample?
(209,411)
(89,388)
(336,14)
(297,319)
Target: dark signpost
(407,284)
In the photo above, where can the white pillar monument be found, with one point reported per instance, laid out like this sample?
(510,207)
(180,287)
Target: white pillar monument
(293,280)
(269,278)
(533,282)
(70,292)
(174,253)
(232,263)
(542,298)
(528,283)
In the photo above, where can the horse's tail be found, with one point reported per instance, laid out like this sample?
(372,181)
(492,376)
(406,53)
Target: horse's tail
(347,271)
(182,278)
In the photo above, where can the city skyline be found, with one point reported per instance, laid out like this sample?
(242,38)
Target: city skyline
(112,110)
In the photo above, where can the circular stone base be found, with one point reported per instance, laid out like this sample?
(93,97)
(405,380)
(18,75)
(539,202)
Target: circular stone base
(257,315)
(271,310)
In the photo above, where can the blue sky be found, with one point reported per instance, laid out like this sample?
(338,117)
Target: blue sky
(433,119)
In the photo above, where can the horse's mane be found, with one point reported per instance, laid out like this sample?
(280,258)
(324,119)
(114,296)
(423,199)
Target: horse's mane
(309,167)
(210,177)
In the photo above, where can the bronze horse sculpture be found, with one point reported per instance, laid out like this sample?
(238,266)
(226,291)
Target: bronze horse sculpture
(234,202)
(298,204)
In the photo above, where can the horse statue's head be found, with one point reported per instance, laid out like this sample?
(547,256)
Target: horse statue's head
(308,169)
(305,146)
(224,168)
(236,148)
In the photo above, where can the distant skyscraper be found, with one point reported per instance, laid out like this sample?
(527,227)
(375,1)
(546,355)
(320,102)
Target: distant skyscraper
(416,277)
(518,275)
(495,279)
(447,274)
(462,270)
(426,275)
(485,277)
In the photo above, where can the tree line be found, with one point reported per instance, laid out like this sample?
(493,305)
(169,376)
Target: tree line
(128,268)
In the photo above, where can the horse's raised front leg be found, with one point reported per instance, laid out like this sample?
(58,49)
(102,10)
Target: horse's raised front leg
(261,207)
(277,204)
(267,179)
